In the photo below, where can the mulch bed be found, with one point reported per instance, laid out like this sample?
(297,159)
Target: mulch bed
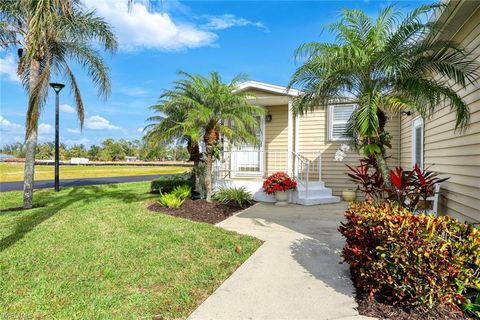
(373,308)
(199,210)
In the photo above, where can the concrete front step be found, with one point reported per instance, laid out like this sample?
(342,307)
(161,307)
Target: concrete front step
(311,201)
(317,192)
(311,185)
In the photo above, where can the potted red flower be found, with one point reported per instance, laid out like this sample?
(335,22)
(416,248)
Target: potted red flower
(279,184)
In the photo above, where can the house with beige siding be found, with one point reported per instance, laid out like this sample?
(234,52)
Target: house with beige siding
(301,145)
(304,145)
(434,143)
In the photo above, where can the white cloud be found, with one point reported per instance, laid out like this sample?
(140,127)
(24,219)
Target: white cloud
(10,132)
(67,108)
(99,123)
(140,130)
(8,68)
(8,127)
(70,130)
(149,29)
(229,20)
(45,128)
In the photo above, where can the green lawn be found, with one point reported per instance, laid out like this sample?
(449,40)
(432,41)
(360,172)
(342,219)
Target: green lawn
(97,253)
(14,171)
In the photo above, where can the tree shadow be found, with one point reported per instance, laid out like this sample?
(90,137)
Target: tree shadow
(49,203)
(323,261)
(319,251)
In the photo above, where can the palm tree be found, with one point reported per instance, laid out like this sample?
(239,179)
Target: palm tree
(390,63)
(205,109)
(49,35)
(169,125)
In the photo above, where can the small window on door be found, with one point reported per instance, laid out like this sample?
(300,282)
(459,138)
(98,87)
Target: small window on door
(417,142)
(338,120)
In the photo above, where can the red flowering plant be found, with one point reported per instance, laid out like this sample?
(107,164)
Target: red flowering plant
(279,181)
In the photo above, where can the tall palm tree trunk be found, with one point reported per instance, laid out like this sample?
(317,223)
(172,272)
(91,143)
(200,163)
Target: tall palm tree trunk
(30,143)
(29,171)
(195,156)
(382,165)
(211,139)
(208,173)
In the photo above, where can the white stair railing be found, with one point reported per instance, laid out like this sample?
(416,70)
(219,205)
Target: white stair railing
(261,163)
(302,172)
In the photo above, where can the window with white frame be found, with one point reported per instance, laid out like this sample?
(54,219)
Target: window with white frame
(417,142)
(339,116)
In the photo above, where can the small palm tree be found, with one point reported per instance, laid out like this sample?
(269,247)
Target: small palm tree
(390,63)
(205,109)
(169,125)
(49,36)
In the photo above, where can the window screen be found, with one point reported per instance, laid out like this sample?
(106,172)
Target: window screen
(339,116)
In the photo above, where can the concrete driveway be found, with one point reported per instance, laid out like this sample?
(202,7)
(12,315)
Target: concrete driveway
(295,274)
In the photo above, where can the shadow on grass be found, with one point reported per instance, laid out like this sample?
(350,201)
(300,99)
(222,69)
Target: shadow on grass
(50,203)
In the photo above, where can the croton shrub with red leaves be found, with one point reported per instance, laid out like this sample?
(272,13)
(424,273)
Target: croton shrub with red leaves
(407,187)
(410,260)
(279,181)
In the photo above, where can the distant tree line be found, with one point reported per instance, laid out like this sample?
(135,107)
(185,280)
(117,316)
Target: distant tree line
(108,150)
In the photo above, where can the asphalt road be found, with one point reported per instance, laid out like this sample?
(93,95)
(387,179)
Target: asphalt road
(41,184)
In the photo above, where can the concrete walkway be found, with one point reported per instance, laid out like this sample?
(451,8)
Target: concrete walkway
(295,274)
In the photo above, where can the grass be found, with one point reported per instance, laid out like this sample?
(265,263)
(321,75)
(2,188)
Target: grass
(96,252)
(14,171)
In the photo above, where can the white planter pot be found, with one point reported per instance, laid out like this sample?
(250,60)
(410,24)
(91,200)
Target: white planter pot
(282,198)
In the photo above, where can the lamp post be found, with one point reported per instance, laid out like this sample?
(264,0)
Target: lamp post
(57,87)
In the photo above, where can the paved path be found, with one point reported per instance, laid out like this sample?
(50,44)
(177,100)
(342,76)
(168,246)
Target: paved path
(40,184)
(294,275)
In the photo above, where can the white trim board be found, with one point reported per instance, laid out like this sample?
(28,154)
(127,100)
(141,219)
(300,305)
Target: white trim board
(290,137)
(416,122)
(244,86)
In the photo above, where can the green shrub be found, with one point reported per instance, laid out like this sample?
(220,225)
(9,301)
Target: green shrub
(410,260)
(234,196)
(166,185)
(170,200)
(183,191)
(471,304)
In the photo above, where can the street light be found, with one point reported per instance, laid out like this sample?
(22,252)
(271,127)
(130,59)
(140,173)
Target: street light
(57,87)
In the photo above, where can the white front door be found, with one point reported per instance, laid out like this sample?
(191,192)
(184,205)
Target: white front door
(247,160)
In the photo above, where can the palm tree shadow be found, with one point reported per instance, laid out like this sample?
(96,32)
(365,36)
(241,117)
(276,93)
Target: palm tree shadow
(50,203)
(322,261)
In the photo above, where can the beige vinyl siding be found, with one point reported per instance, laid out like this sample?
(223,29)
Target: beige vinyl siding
(313,137)
(454,154)
(276,139)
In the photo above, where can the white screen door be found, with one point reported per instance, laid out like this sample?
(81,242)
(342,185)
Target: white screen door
(247,160)
(417,142)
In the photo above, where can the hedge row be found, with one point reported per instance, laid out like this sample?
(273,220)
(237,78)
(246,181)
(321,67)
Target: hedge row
(166,185)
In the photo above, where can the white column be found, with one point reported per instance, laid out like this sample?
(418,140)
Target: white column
(297,142)
(290,137)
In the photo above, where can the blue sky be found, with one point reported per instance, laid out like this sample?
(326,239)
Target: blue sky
(255,38)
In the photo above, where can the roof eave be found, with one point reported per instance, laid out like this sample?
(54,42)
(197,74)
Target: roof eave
(247,85)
